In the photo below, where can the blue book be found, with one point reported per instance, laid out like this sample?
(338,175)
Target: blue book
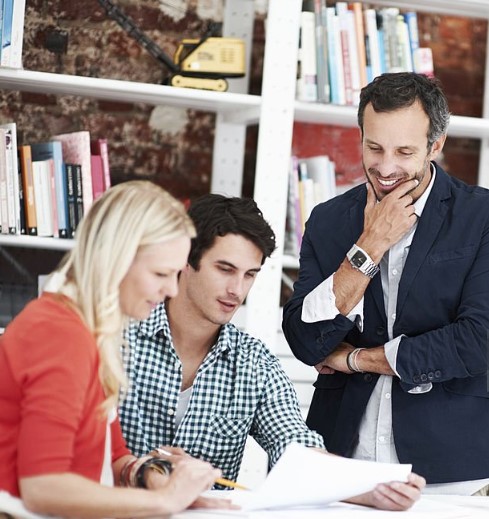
(53,150)
(8,11)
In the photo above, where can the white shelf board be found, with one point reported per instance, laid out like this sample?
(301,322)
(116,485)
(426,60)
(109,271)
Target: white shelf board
(460,126)
(240,107)
(35,242)
(290,262)
(468,8)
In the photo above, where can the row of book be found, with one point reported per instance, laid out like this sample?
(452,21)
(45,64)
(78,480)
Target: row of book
(343,48)
(11,32)
(312,180)
(45,188)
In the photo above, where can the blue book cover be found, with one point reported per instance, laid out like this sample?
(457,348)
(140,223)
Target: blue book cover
(8,10)
(53,150)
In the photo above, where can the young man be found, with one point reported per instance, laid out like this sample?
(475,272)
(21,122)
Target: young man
(392,301)
(200,384)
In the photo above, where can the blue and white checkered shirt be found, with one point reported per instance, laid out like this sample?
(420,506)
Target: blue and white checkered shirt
(239,389)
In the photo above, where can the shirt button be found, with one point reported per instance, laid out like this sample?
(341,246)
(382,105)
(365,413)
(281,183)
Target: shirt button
(381,439)
(394,316)
(387,395)
(171,412)
(394,272)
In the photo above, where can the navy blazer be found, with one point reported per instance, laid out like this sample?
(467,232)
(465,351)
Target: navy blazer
(443,311)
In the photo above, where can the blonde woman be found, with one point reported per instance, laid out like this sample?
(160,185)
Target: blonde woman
(61,448)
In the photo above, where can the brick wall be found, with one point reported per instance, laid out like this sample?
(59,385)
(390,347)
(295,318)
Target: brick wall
(172,146)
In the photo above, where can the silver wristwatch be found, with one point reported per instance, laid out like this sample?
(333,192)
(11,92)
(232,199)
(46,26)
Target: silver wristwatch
(361,261)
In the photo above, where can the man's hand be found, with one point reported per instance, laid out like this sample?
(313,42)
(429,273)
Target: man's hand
(387,221)
(335,361)
(394,496)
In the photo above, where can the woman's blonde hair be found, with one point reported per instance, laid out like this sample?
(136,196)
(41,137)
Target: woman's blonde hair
(127,217)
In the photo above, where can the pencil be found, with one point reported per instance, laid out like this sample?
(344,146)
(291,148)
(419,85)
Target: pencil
(220,481)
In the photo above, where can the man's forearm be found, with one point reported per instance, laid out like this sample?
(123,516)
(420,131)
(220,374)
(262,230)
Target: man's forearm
(349,285)
(374,360)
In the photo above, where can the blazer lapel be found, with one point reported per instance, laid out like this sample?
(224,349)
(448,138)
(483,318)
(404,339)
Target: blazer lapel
(428,228)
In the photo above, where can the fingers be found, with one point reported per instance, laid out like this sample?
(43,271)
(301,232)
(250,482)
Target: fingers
(211,502)
(417,481)
(404,189)
(371,196)
(396,495)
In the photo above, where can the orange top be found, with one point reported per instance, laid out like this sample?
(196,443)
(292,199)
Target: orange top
(50,396)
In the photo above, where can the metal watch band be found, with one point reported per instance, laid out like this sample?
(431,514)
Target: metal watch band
(364,264)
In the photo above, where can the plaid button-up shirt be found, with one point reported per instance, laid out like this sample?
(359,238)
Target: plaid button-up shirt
(239,389)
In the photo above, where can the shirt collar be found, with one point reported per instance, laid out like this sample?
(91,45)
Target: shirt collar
(158,322)
(421,201)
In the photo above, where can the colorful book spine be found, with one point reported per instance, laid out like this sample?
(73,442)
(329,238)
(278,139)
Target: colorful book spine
(76,150)
(79,195)
(54,150)
(42,188)
(17,33)
(3,183)
(71,198)
(12,178)
(101,147)
(8,8)
(25,162)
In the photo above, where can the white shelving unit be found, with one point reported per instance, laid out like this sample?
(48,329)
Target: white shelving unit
(275,111)
(280,109)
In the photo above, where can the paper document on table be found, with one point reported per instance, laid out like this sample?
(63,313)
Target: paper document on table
(306,477)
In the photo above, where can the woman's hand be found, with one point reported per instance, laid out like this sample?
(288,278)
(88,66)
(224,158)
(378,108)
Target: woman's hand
(189,478)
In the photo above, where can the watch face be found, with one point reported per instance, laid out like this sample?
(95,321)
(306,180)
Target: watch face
(358,259)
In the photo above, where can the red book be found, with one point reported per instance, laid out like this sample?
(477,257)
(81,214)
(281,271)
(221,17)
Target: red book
(97,176)
(101,147)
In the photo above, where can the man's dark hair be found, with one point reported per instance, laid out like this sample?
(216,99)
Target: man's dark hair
(392,91)
(217,215)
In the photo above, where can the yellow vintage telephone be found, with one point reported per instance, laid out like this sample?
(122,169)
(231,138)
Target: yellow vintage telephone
(198,63)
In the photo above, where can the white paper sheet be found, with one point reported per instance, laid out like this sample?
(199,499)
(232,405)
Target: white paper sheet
(306,477)
(15,507)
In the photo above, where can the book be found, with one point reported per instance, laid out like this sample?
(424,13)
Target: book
(360,40)
(42,194)
(412,23)
(97,175)
(25,164)
(322,174)
(335,60)
(12,177)
(323,90)
(423,61)
(404,46)
(3,183)
(53,150)
(6,51)
(79,195)
(17,33)
(293,224)
(23,227)
(101,147)
(71,198)
(76,150)
(307,79)
(344,45)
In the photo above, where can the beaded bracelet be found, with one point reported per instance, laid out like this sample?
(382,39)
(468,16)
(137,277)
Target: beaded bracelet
(157,464)
(351,360)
